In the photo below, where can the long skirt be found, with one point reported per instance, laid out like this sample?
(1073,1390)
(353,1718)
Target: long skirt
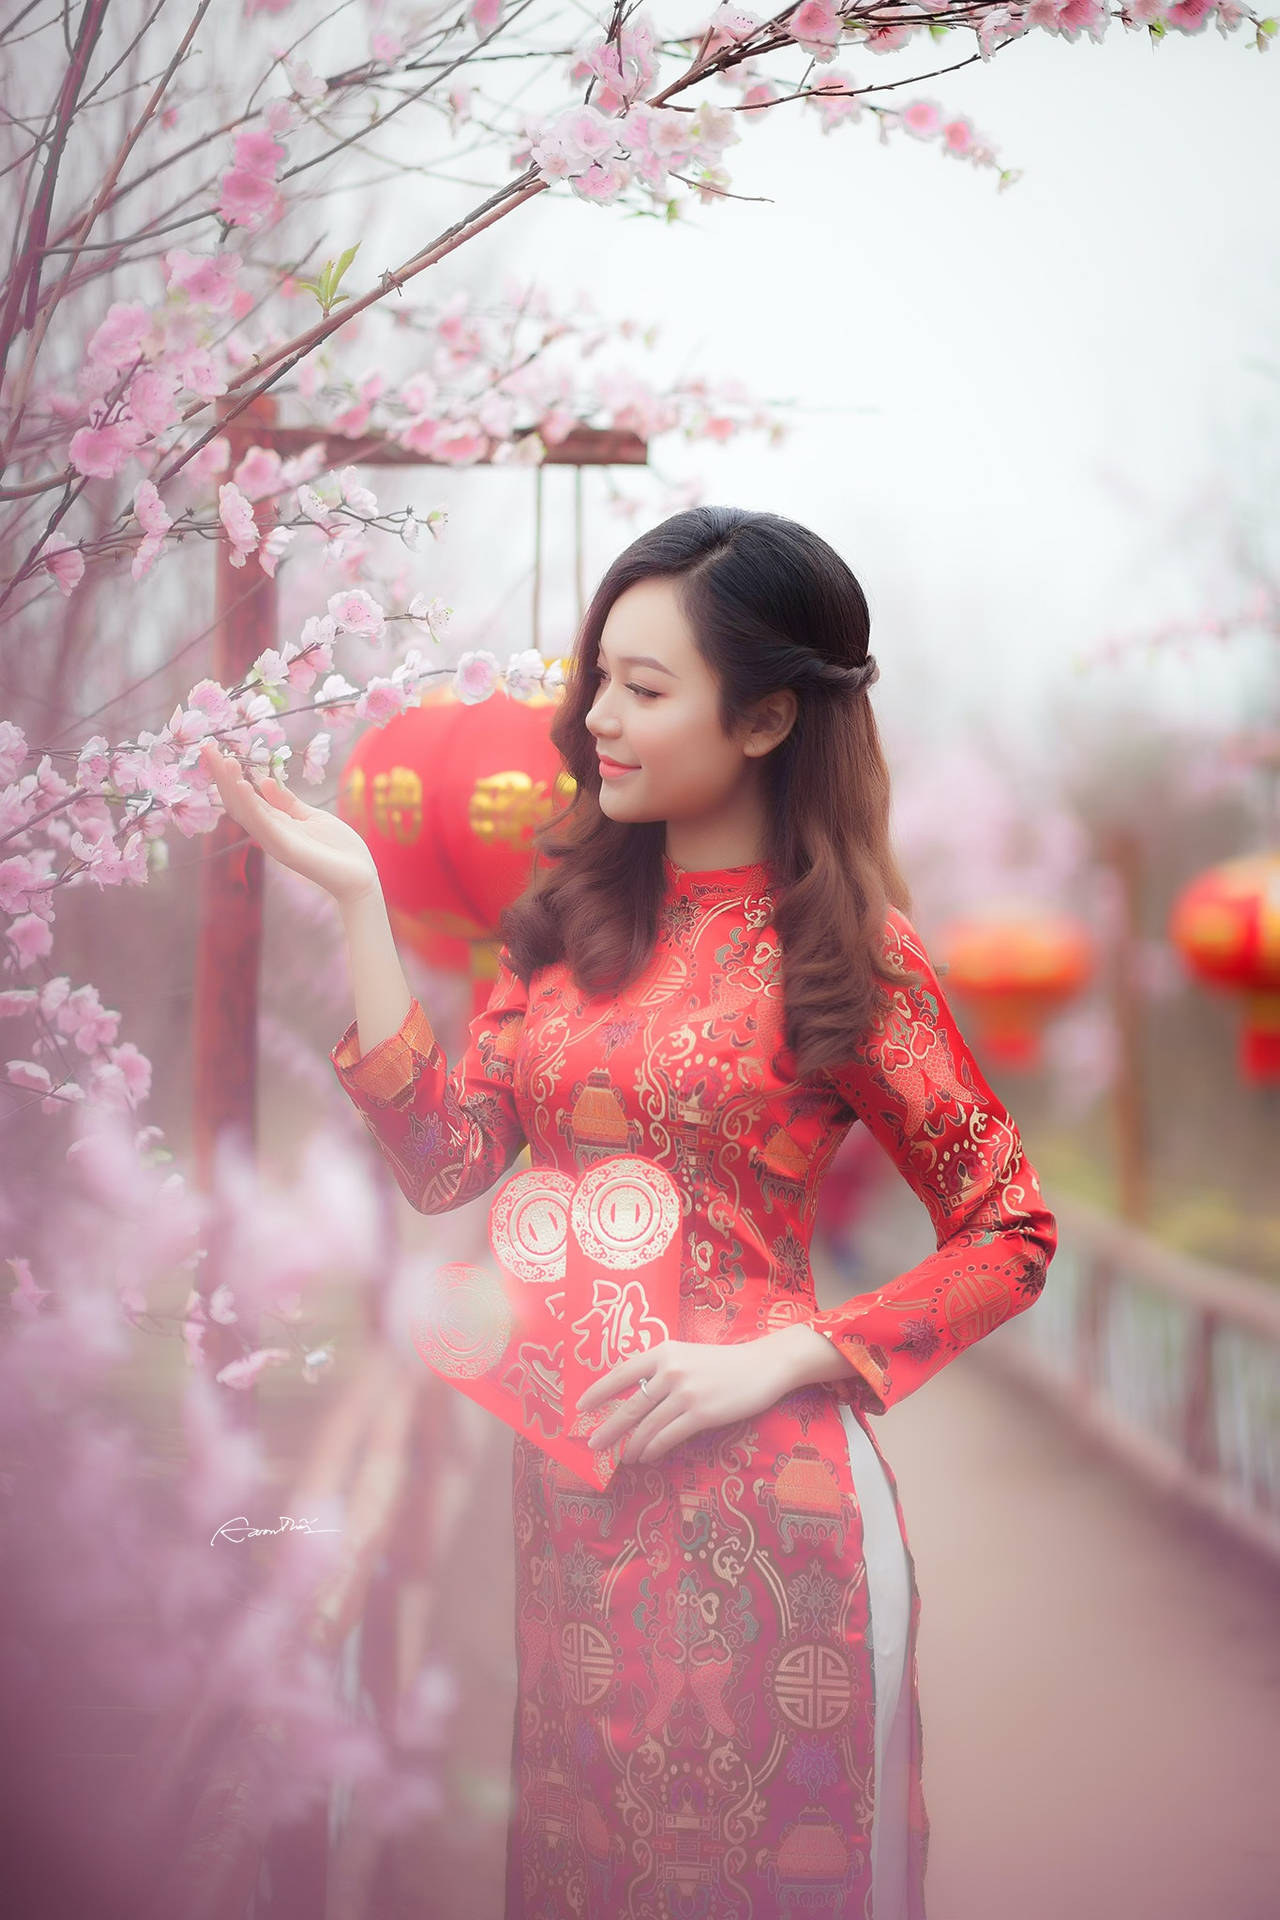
(717,1712)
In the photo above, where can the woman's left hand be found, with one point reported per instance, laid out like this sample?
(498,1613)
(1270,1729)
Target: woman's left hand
(691,1386)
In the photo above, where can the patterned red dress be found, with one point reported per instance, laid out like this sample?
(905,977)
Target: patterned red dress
(717,1694)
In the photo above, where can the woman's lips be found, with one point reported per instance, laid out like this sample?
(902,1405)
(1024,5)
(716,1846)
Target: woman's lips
(610,769)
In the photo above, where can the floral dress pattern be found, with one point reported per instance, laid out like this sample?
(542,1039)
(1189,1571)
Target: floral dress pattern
(717,1711)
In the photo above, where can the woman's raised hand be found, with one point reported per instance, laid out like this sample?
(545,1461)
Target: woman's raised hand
(314,843)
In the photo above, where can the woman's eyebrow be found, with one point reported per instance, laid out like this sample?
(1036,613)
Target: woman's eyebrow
(642,660)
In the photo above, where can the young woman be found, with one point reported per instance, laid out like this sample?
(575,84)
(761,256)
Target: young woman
(717,1707)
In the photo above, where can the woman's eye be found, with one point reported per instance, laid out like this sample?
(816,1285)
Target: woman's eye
(647,693)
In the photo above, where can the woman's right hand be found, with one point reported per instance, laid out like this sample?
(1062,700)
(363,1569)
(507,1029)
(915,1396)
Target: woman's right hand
(312,842)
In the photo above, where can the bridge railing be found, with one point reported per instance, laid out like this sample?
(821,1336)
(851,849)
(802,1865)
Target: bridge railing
(1171,1362)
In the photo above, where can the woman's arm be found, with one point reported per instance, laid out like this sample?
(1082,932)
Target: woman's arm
(378,985)
(447,1136)
(916,1085)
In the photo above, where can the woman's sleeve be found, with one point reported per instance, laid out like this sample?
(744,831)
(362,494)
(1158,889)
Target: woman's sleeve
(447,1136)
(917,1087)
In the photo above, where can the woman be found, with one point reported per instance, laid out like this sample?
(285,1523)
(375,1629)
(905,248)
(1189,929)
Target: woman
(713,973)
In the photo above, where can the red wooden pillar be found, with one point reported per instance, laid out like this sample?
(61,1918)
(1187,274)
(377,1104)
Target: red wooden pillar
(1124,856)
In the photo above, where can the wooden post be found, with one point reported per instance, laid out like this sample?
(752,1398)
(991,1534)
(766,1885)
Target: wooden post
(1124,857)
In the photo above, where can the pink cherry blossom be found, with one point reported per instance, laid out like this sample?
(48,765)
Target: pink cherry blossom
(18,802)
(13,750)
(30,938)
(120,339)
(359,498)
(257,152)
(332,700)
(475,677)
(835,99)
(213,458)
(109,865)
(29,1073)
(484,14)
(151,399)
(24,878)
(274,547)
(381,700)
(304,80)
(922,119)
(731,25)
(315,757)
(212,700)
(887,39)
(314,506)
(815,26)
(134,1070)
(84,1019)
(1191,16)
(460,447)
(353,420)
(247,200)
(99,452)
(145,555)
(259,473)
(53,993)
(282,115)
(236,515)
(149,509)
(419,436)
(357,612)
(64,562)
(208,279)
(242,1373)
(25,1298)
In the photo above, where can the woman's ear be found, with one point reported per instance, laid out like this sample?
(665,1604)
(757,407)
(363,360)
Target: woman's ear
(772,721)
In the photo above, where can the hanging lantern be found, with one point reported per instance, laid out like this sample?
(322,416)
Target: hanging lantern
(1015,973)
(447,796)
(1226,925)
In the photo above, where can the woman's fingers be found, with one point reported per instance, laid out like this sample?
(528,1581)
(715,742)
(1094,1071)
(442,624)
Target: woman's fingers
(284,798)
(242,799)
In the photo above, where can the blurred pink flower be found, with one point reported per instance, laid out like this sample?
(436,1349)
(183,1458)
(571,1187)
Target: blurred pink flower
(208,279)
(242,1373)
(30,938)
(25,1298)
(65,562)
(922,118)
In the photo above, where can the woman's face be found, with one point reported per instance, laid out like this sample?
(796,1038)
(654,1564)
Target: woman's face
(656,711)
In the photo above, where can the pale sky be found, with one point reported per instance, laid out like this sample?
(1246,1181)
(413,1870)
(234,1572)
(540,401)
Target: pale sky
(1008,403)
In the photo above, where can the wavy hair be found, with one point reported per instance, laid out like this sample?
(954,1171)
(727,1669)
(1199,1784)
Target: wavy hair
(770,605)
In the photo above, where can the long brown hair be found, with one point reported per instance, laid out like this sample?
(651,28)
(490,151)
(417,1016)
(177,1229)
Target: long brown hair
(763,596)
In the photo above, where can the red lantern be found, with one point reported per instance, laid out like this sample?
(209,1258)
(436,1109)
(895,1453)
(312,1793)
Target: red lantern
(447,796)
(1016,973)
(1226,925)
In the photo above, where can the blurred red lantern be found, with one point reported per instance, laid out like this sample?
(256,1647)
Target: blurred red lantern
(1016,973)
(1226,925)
(447,795)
